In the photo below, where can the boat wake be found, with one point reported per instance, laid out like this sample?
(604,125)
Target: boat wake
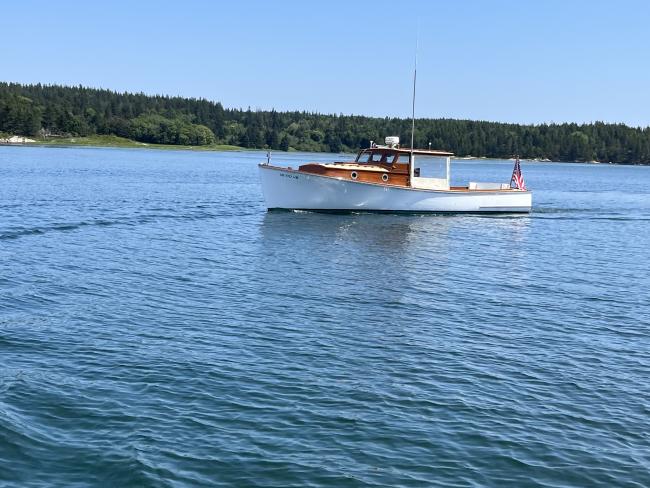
(143,219)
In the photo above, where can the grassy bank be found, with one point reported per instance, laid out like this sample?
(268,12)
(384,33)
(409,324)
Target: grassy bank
(115,141)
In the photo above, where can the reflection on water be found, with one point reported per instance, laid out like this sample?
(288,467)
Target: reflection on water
(365,231)
(372,232)
(391,254)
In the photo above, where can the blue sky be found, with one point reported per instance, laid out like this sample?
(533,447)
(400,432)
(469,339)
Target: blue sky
(511,61)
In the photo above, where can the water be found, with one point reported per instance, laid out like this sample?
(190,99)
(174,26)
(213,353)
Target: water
(159,328)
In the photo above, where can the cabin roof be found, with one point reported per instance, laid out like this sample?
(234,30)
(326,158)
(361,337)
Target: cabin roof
(403,150)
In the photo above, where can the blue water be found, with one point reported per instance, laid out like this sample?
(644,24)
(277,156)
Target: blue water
(159,328)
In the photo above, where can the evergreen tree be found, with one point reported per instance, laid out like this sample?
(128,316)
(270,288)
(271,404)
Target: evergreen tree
(273,139)
(284,144)
(77,111)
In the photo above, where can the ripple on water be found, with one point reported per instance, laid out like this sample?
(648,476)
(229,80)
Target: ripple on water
(158,328)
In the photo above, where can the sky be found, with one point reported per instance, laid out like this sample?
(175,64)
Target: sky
(508,61)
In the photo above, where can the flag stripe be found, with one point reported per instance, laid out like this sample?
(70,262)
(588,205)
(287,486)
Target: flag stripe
(517,177)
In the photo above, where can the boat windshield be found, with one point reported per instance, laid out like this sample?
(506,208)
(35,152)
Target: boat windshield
(377,157)
(363,157)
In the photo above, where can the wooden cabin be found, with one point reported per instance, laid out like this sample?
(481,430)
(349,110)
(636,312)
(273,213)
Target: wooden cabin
(384,165)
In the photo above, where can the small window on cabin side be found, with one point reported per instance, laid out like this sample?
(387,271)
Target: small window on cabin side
(376,157)
(403,158)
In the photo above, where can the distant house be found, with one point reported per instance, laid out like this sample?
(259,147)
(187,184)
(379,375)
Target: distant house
(16,140)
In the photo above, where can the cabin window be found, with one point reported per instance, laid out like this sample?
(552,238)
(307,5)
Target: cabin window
(403,158)
(363,157)
(377,157)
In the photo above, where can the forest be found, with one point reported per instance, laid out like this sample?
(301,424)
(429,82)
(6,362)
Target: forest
(50,111)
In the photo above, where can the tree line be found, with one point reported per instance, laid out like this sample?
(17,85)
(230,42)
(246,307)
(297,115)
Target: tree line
(52,110)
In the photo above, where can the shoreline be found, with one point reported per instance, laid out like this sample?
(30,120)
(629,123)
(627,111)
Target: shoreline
(116,142)
(123,143)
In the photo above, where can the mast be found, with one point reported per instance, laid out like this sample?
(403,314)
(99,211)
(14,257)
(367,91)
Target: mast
(415,76)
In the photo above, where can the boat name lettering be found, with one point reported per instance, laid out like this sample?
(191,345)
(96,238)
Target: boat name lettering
(287,175)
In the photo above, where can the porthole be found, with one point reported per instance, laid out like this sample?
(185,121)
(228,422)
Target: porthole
(384,177)
(354,175)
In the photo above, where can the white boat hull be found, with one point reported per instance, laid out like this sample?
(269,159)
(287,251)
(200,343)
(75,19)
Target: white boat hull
(294,190)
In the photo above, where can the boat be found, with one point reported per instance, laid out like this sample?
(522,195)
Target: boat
(384,178)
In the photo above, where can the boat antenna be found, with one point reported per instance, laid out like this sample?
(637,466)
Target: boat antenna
(415,77)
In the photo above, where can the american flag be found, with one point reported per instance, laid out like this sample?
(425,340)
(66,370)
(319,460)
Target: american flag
(517,178)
